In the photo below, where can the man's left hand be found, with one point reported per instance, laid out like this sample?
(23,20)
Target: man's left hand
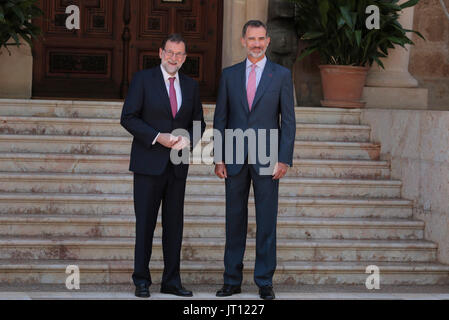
(181,144)
(280,169)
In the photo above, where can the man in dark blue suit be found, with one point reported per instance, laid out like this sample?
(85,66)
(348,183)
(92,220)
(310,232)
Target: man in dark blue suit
(159,101)
(254,96)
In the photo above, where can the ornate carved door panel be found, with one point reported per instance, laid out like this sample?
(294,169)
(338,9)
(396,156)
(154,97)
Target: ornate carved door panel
(199,21)
(79,63)
(119,37)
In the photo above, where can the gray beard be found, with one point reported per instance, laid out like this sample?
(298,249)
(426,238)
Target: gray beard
(166,68)
(257,56)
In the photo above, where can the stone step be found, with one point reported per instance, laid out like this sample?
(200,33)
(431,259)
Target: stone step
(203,205)
(60,108)
(112,127)
(333,132)
(62,126)
(212,249)
(311,115)
(19,272)
(343,169)
(207,185)
(65,144)
(80,163)
(200,226)
(338,212)
(122,145)
(318,187)
(113,110)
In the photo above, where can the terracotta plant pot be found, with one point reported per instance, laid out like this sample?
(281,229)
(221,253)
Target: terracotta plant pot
(343,86)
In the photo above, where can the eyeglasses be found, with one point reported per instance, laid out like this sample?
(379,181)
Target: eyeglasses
(177,55)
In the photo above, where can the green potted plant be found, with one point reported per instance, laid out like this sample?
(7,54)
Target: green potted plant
(337,30)
(15,22)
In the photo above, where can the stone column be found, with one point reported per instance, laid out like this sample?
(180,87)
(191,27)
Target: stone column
(236,13)
(394,86)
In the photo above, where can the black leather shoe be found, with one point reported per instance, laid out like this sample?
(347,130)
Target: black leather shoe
(142,291)
(228,290)
(266,293)
(177,291)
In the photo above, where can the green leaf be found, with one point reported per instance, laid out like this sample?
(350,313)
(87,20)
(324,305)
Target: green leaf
(349,35)
(379,62)
(343,38)
(15,37)
(415,32)
(10,4)
(312,35)
(19,14)
(324,9)
(346,16)
(27,39)
(410,3)
(14,17)
(306,53)
(358,37)
(354,19)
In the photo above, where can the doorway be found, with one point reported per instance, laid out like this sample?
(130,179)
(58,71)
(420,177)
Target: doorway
(116,39)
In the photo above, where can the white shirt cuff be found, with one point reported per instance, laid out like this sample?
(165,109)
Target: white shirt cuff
(155,139)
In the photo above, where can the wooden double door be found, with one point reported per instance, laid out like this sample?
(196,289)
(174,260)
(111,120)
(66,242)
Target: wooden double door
(116,38)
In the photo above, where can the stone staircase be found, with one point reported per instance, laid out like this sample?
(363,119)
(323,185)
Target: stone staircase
(66,199)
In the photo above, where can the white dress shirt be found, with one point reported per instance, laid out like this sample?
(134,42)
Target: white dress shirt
(177,85)
(260,66)
(177,89)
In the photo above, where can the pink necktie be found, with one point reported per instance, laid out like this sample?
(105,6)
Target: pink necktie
(251,88)
(173,100)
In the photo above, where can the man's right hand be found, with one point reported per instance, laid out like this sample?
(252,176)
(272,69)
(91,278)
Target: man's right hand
(168,140)
(220,171)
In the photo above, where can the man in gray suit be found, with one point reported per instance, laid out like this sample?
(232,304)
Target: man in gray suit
(254,95)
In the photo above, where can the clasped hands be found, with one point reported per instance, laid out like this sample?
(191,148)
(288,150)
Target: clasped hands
(173,142)
(179,142)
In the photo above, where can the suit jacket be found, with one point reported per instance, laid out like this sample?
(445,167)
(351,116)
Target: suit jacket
(147,111)
(273,108)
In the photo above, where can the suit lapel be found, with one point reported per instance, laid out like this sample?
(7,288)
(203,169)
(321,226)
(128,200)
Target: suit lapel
(265,81)
(242,85)
(161,87)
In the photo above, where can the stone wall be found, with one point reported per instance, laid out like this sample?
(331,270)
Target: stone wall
(429,60)
(16,72)
(307,79)
(236,14)
(417,143)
